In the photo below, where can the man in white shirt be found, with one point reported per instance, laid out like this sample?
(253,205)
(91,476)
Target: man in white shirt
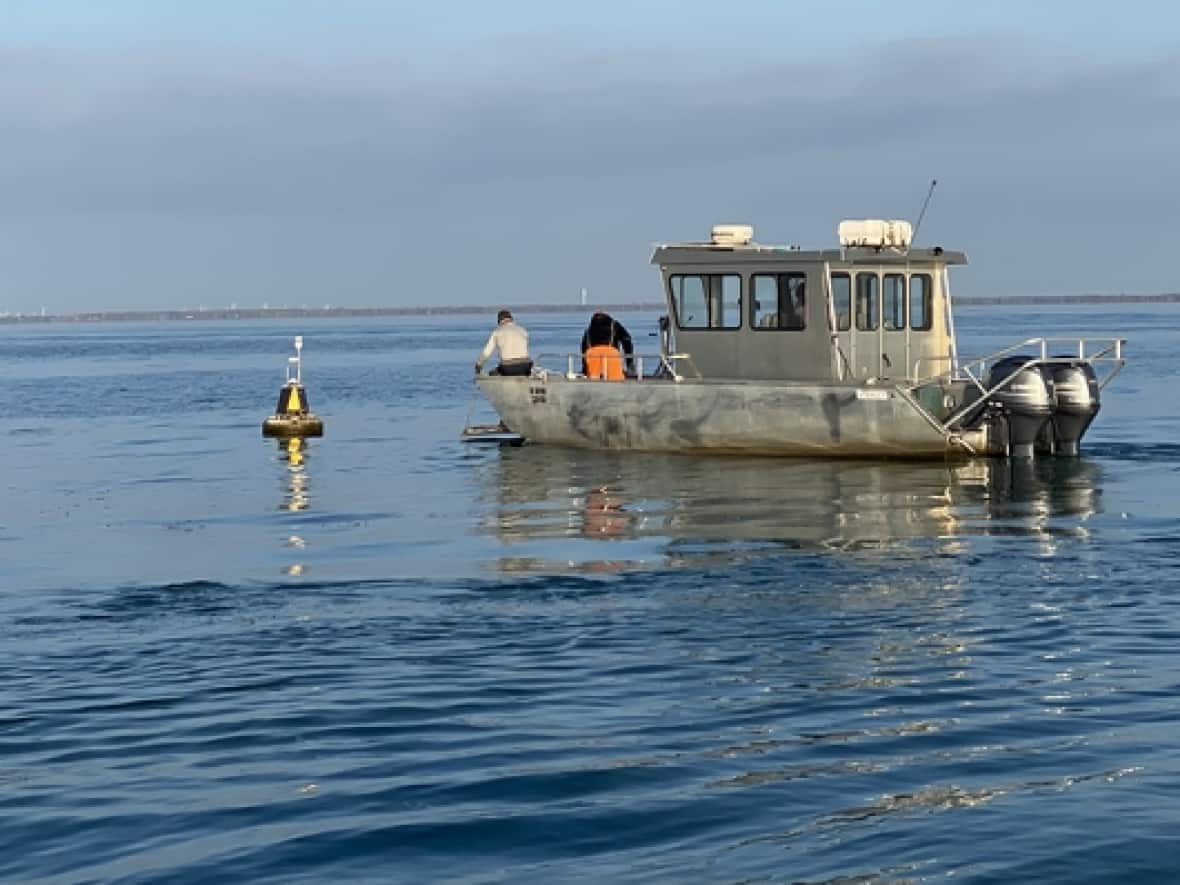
(513,343)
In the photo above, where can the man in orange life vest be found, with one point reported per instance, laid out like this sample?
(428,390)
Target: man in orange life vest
(610,340)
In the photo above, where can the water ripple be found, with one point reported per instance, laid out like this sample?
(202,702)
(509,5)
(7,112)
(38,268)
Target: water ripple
(384,656)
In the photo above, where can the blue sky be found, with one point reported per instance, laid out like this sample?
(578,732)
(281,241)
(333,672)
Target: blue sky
(343,28)
(171,154)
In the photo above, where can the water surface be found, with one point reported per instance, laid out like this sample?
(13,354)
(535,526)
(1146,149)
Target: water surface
(387,656)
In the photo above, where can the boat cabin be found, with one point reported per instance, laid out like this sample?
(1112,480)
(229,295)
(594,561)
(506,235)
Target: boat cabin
(875,308)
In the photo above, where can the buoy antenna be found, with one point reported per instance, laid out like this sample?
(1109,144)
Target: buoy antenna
(296,362)
(925,204)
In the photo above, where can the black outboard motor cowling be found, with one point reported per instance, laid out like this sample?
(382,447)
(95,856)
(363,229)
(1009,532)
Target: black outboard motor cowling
(1027,399)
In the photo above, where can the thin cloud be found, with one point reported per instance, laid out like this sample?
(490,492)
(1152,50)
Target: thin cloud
(152,134)
(1028,146)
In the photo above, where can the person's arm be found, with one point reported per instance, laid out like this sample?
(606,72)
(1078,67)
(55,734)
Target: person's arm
(623,338)
(486,353)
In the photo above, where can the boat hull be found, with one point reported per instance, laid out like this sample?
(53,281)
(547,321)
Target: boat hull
(750,417)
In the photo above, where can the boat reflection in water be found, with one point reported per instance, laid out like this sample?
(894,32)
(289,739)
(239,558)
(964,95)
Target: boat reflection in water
(293,452)
(603,514)
(553,508)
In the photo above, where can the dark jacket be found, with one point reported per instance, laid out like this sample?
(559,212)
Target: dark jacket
(605,329)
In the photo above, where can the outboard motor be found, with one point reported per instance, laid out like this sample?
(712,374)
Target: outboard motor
(1076,388)
(1026,400)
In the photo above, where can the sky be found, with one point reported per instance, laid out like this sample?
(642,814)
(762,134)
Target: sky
(365,153)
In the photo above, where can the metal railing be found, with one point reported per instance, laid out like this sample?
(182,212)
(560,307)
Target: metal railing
(1095,351)
(1105,353)
(670,366)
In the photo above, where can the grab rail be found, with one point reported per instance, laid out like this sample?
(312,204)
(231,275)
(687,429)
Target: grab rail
(1105,351)
(670,365)
(1089,350)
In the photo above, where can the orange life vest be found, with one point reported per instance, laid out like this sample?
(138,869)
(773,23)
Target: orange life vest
(604,361)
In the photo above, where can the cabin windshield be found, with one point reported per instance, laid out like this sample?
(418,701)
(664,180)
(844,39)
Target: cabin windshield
(842,300)
(780,301)
(920,302)
(707,301)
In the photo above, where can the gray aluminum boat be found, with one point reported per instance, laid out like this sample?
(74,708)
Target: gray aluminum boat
(849,352)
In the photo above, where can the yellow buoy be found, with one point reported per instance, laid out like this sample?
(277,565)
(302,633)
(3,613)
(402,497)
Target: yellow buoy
(293,417)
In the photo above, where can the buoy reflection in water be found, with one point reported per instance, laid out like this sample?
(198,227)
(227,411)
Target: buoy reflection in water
(296,496)
(294,450)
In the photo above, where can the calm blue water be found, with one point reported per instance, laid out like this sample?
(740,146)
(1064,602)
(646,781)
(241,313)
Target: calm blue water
(391,657)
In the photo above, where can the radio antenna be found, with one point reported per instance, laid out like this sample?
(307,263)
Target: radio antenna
(922,214)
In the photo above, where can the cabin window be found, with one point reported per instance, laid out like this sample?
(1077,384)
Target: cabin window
(842,300)
(893,301)
(921,307)
(707,301)
(868,302)
(779,301)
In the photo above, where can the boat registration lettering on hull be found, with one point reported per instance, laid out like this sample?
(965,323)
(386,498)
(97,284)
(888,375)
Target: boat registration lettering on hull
(872,394)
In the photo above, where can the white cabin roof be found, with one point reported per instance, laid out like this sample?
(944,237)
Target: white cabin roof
(759,254)
(867,241)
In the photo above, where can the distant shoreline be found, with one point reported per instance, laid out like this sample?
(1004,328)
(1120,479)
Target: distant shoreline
(264,313)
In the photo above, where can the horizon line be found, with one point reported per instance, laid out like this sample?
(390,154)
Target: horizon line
(302,312)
